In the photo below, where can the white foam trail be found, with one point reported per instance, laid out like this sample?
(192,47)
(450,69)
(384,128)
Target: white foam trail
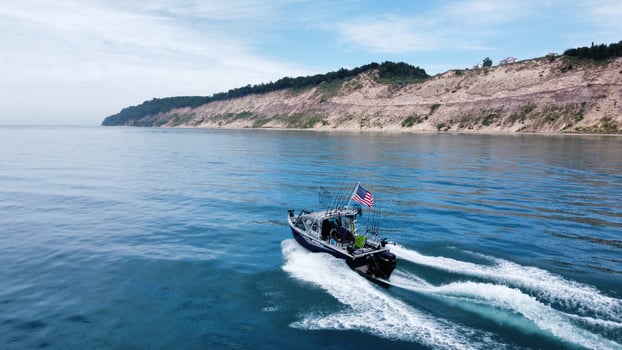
(541,316)
(546,286)
(590,321)
(370,309)
(512,299)
(408,280)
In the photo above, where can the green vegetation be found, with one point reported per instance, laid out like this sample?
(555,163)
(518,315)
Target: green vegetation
(593,54)
(178,119)
(129,115)
(467,121)
(227,118)
(609,125)
(596,52)
(442,127)
(392,73)
(434,107)
(412,120)
(551,118)
(490,118)
(606,126)
(330,88)
(530,107)
(417,119)
(523,115)
(364,122)
(388,72)
(295,120)
(259,123)
(581,113)
(566,66)
(487,62)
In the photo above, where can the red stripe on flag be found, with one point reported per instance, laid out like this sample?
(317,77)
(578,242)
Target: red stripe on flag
(363,196)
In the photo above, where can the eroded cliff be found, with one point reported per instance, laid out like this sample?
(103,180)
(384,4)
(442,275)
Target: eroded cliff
(545,95)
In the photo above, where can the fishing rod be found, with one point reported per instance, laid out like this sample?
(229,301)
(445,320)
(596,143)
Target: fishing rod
(336,199)
(341,194)
(324,198)
(377,221)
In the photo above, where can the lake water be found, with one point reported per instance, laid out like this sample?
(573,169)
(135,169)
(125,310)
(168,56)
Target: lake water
(140,238)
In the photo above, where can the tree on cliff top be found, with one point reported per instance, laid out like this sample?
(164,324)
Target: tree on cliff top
(596,52)
(388,72)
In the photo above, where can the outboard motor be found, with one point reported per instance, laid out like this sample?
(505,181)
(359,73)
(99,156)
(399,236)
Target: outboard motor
(386,262)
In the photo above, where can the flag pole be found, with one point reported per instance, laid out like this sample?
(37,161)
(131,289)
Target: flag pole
(352,195)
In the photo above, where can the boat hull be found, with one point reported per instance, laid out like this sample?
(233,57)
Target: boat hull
(317,246)
(377,266)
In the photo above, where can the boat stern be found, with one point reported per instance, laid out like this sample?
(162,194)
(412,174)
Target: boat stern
(385,264)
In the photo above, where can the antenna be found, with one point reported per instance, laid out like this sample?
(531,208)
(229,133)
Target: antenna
(376,221)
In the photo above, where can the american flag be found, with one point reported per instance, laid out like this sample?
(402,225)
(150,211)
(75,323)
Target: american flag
(363,196)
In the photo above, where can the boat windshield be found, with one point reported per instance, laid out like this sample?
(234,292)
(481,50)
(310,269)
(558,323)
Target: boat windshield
(301,224)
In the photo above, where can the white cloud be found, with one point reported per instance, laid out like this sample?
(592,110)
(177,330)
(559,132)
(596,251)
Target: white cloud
(486,12)
(608,9)
(594,21)
(98,58)
(463,25)
(388,35)
(607,15)
(211,9)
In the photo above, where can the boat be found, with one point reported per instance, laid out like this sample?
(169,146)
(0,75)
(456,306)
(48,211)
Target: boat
(334,231)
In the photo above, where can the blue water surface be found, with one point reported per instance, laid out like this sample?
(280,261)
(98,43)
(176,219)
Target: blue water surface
(149,238)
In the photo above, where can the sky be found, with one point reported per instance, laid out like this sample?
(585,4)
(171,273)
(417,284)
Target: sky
(75,62)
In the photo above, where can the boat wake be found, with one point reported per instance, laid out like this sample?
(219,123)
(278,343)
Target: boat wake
(544,286)
(370,309)
(513,295)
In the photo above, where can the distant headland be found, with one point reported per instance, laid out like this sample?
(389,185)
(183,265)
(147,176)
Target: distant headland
(579,91)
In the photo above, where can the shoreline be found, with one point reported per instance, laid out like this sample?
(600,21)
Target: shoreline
(388,131)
